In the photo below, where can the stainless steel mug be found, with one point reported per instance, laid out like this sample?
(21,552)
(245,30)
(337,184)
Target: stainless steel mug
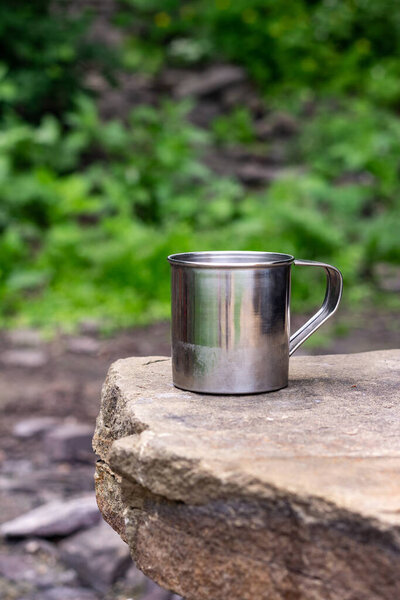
(231,320)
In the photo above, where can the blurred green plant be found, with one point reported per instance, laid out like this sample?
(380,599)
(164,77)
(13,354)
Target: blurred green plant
(287,47)
(89,210)
(355,147)
(44,54)
(89,214)
(234,128)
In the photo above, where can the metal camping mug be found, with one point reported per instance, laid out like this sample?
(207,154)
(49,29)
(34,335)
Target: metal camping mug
(231,319)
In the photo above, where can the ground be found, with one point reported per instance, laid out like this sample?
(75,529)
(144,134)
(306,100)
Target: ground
(62,378)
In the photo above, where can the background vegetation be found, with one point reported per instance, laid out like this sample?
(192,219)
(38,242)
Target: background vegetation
(90,209)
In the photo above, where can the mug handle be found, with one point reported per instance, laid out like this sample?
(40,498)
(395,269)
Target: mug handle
(334,286)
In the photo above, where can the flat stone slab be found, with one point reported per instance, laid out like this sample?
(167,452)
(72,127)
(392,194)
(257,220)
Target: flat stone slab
(293,494)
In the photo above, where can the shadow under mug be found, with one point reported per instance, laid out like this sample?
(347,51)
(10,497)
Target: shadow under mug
(231,319)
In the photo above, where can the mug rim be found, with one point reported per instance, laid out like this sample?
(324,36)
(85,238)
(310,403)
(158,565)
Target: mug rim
(233,259)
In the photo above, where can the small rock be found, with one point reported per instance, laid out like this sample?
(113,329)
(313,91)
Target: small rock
(45,484)
(30,338)
(263,129)
(21,466)
(276,124)
(68,593)
(212,80)
(96,82)
(17,567)
(171,77)
(30,359)
(388,277)
(99,556)
(63,593)
(70,442)
(155,592)
(58,518)
(242,94)
(357,177)
(257,173)
(34,426)
(29,569)
(83,345)
(134,578)
(90,326)
(203,113)
(40,546)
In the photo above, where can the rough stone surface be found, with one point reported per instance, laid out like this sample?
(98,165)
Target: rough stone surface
(70,442)
(293,494)
(98,555)
(55,519)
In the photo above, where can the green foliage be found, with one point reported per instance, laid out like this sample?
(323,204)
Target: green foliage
(93,240)
(287,47)
(355,147)
(43,57)
(235,128)
(89,210)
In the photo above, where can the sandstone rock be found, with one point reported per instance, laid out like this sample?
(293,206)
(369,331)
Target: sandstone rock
(210,81)
(70,442)
(292,494)
(98,555)
(58,518)
(30,359)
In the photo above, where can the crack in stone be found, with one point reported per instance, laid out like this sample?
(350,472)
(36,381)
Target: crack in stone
(150,362)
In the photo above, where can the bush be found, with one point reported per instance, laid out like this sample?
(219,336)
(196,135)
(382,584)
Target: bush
(90,210)
(287,47)
(44,54)
(94,239)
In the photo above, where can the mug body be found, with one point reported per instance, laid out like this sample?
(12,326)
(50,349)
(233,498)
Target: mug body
(230,321)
